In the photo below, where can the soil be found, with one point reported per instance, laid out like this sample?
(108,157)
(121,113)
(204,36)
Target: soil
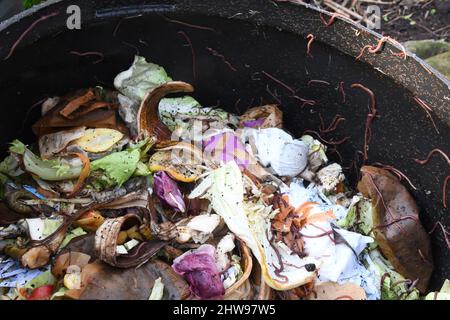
(417,21)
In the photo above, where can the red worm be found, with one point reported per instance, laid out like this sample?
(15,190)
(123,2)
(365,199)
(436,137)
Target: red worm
(362,51)
(427,110)
(342,91)
(290,89)
(400,175)
(444,192)
(190,25)
(90,53)
(312,82)
(333,125)
(281,83)
(384,203)
(370,117)
(272,95)
(334,143)
(191,47)
(14,46)
(346,297)
(222,57)
(444,231)
(305,102)
(310,38)
(378,46)
(425,161)
(380,226)
(332,18)
(335,150)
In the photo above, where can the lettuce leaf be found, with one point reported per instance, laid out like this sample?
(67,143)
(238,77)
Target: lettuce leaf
(118,167)
(45,278)
(17,147)
(51,170)
(77,232)
(444,294)
(394,286)
(140,78)
(3,180)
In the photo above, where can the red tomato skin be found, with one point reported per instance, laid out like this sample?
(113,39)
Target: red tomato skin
(41,293)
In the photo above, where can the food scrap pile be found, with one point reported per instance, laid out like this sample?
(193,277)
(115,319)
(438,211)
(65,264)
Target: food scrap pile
(127,194)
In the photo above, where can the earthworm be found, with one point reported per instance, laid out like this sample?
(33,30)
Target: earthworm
(14,46)
(191,47)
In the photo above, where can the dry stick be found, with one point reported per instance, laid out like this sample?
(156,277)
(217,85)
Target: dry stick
(90,53)
(425,161)
(310,38)
(190,25)
(370,117)
(222,57)
(14,46)
(427,110)
(191,47)
(445,232)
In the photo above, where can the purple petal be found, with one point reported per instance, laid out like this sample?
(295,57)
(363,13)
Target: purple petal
(168,192)
(226,147)
(254,123)
(199,269)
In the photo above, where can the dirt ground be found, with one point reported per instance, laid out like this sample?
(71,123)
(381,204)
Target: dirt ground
(403,20)
(417,21)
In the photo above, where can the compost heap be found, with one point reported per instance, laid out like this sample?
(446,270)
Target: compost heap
(127,194)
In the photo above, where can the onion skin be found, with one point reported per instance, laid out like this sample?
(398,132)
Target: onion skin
(149,123)
(36,257)
(83,176)
(106,243)
(404,243)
